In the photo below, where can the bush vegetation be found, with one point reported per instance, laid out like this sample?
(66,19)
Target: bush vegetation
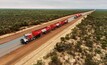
(12,20)
(87,43)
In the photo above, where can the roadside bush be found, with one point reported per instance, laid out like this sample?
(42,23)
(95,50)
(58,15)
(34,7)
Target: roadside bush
(39,62)
(62,39)
(61,47)
(55,60)
(89,61)
(67,37)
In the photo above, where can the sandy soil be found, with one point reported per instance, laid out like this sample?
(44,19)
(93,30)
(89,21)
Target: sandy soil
(46,47)
(23,51)
(11,36)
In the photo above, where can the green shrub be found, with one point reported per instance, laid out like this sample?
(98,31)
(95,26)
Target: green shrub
(39,62)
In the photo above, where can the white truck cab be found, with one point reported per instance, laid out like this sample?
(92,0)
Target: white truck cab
(24,41)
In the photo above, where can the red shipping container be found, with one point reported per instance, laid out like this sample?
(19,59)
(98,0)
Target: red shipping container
(37,32)
(53,26)
(62,22)
(48,28)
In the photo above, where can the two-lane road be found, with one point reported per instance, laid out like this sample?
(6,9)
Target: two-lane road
(19,53)
(26,49)
(12,42)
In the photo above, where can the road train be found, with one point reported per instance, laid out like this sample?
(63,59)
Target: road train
(38,33)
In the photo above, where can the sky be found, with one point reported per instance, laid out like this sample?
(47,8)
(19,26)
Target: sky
(54,4)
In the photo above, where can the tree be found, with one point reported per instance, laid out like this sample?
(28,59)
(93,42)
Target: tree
(55,60)
(39,62)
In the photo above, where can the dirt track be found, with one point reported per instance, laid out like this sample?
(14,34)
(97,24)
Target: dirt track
(18,54)
(46,47)
(20,33)
(21,52)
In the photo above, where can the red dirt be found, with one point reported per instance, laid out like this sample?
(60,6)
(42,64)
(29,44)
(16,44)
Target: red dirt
(19,34)
(19,53)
